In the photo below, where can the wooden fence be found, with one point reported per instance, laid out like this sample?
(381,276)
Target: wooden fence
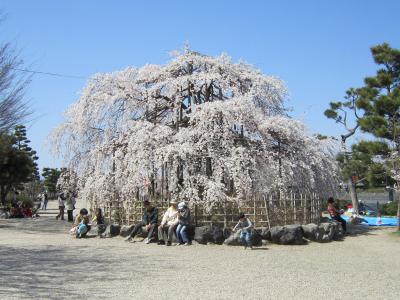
(263,211)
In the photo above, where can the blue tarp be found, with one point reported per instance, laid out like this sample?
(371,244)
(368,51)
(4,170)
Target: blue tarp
(374,221)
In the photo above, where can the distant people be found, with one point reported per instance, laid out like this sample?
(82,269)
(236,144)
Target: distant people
(335,214)
(183,222)
(70,206)
(149,223)
(379,219)
(45,200)
(61,206)
(82,223)
(168,224)
(246,230)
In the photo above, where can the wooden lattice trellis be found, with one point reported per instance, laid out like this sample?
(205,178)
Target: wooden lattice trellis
(264,211)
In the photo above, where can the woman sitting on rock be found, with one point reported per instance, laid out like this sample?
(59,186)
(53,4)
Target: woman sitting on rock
(183,222)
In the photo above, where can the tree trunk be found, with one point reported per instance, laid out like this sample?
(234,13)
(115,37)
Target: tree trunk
(350,184)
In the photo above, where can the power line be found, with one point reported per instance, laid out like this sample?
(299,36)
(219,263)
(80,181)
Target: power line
(48,73)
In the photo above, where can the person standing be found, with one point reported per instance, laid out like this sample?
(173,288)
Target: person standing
(183,222)
(45,200)
(149,223)
(168,224)
(70,205)
(61,206)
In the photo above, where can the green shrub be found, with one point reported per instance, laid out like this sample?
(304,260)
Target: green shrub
(389,209)
(25,201)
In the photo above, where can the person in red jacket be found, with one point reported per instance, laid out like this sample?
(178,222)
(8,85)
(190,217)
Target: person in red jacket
(335,213)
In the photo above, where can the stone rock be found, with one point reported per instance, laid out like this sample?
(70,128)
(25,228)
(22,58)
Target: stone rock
(203,234)
(265,233)
(257,238)
(210,234)
(287,235)
(99,229)
(111,230)
(217,236)
(126,230)
(310,231)
(329,231)
(234,239)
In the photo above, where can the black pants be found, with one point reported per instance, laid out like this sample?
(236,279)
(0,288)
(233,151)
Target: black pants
(139,228)
(61,213)
(70,215)
(342,221)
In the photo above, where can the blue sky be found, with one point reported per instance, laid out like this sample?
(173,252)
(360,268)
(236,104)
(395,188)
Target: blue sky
(319,48)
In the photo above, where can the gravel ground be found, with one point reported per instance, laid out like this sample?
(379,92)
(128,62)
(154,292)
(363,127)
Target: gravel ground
(39,260)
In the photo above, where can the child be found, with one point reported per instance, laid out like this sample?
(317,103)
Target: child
(83,227)
(82,222)
(246,226)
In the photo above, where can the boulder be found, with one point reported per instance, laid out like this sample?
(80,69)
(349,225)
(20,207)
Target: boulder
(203,234)
(126,230)
(329,231)
(111,230)
(287,235)
(217,236)
(234,239)
(265,233)
(99,229)
(210,234)
(310,231)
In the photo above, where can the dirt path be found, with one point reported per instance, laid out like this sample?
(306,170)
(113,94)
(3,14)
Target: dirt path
(38,260)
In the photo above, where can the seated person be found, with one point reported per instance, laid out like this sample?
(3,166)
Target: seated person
(168,224)
(149,223)
(335,213)
(183,222)
(82,223)
(16,211)
(83,227)
(99,219)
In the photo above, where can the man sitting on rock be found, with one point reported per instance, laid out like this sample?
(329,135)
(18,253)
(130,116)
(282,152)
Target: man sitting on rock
(149,223)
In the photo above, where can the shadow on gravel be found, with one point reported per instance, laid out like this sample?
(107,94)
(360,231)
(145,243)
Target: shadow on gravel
(356,230)
(52,273)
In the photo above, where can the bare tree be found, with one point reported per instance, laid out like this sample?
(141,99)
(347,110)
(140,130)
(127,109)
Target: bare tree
(13,83)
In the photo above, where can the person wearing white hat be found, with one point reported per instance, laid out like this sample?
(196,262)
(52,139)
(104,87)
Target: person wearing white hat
(168,224)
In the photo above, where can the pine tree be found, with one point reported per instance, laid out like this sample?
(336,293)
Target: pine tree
(22,144)
(380,101)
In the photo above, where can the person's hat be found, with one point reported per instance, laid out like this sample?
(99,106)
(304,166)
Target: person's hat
(173,201)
